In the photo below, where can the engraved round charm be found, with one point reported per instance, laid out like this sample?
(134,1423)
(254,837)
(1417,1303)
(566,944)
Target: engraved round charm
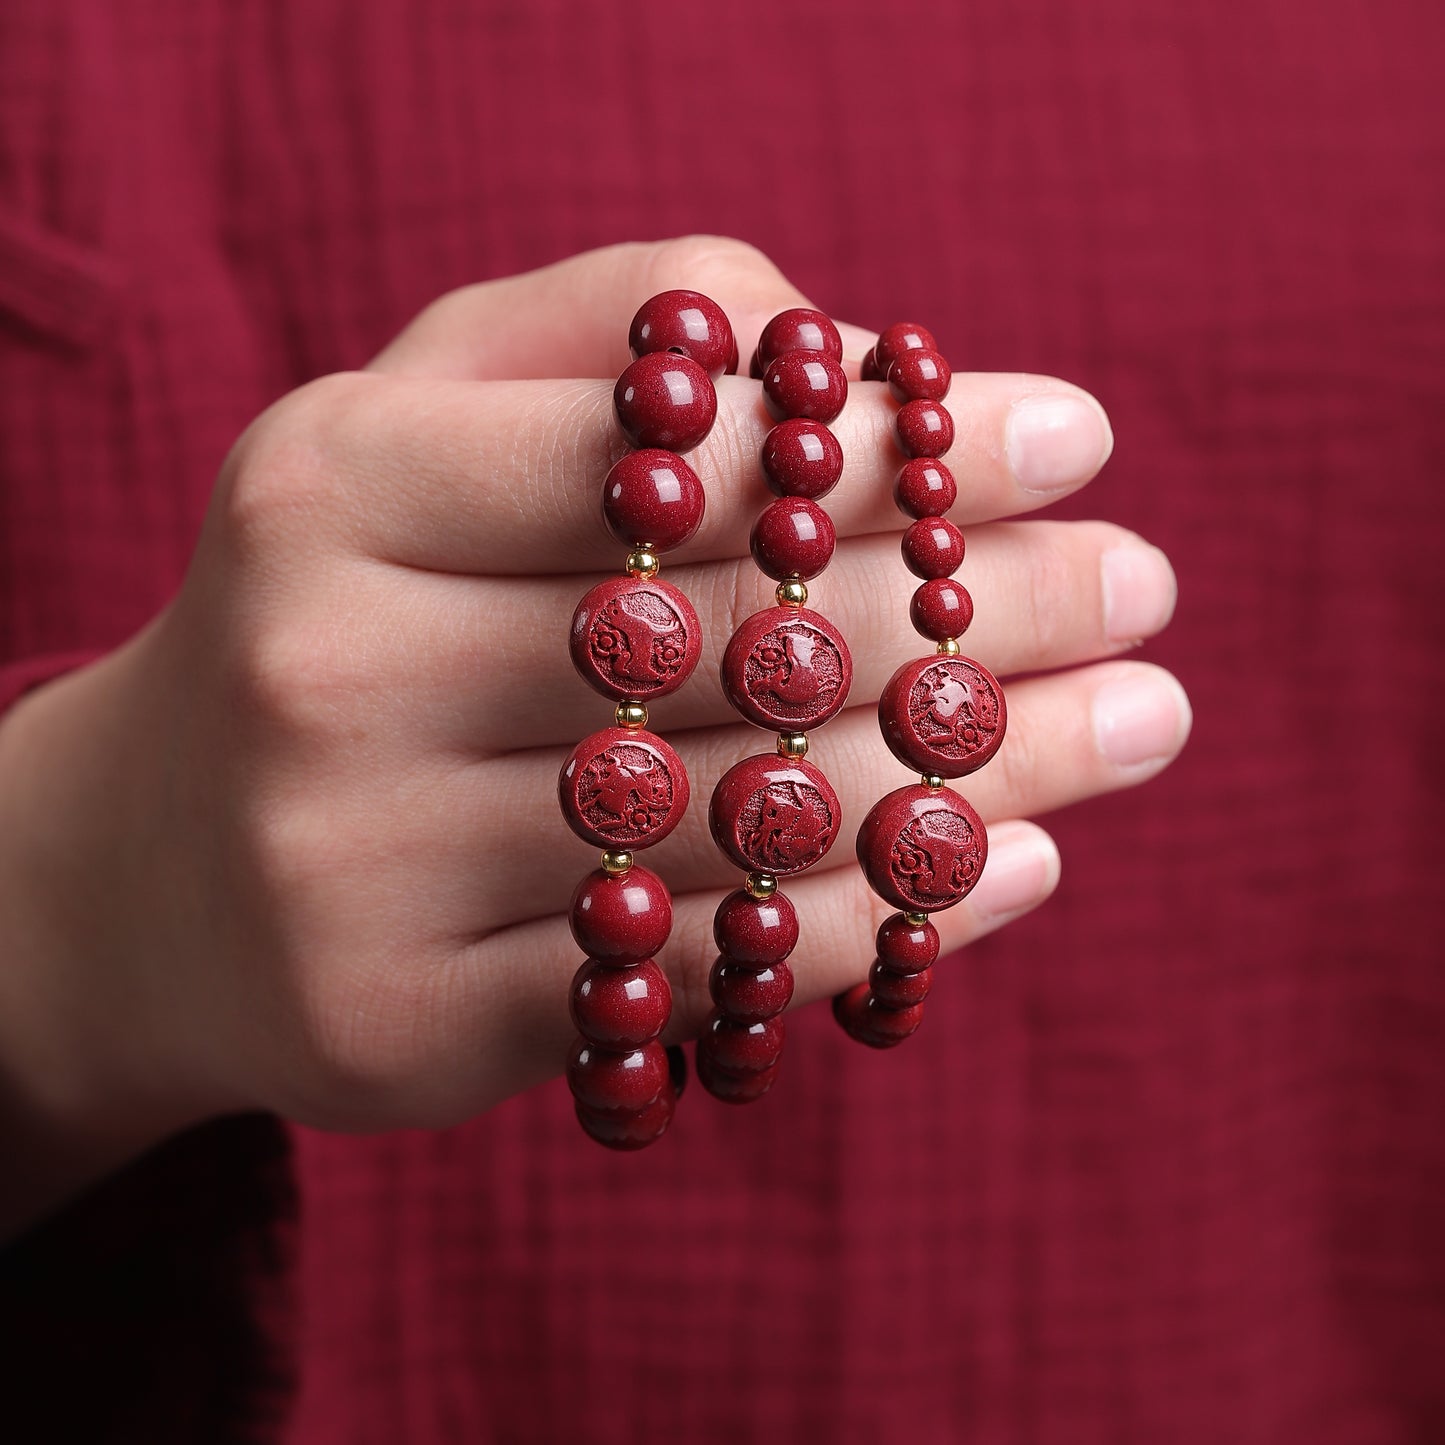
(622,788)
(942,715)
(635,638)
(774,815)
(787,668)
(922,848)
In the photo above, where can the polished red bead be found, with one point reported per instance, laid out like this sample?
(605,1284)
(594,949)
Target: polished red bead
(941,608)
(804,383)
(868,1021)
(621,919)
(933,547)
(733,1088)
(622,788)
(793,537)
(943,715)
(800,329)
(665,401)
(652,498)
(925,428)
(635,637)
(907,947)
(774,815)
(787,668)
(617,1081)
(802,458)
(898,338)
(738,1048)
(925,488)
(899,990)
(755,932)
(629,1131)
(620,1008)
(750,995)
(922,849)
(687,323)
(919,375)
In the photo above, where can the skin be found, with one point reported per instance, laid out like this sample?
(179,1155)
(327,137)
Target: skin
(295,845)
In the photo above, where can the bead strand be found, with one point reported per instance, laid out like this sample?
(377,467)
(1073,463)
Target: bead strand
(786,669)
(635,638)
(923,847)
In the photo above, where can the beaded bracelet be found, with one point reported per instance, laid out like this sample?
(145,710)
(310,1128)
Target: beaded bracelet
(786,669)
(633,639)
(923,847)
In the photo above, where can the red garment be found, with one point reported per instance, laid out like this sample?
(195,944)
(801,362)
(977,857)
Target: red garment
(1166,1163)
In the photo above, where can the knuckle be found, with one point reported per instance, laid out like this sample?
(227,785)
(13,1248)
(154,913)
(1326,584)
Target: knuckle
(701,261)
(292,680)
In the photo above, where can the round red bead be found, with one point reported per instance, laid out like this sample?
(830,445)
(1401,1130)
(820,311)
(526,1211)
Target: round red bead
(804,383)
(802,458)
(623,788)
(787,668)
(919,375)
(899,990)
(922,849)
(623,919)
(750,995)
(629,1131)
(635,637)
(738,1048)
(620,1008)
(686,323)
(925,488)
(941,608)
(616,1081)
(907,947)
(652,498)
(775,815)
(793,537)
(665,401)
(898,338)
(800,329)
(755,932)
(733,1088)
(943,715)
(868,1021)
(933,547)
(925,428)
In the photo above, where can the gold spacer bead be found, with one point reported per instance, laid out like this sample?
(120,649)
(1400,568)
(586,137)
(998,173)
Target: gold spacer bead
(948,647)
(643,562)
(792,745)
(932,782)
(631,715)
(915,920)
(760,885)
(792,593)
(616,861)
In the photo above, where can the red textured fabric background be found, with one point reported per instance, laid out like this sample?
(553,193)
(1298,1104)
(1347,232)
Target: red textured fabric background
(1167,1162)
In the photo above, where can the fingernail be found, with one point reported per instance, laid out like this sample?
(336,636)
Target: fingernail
(1022,870)
(1139,591)
(1056,442)
(1141,719)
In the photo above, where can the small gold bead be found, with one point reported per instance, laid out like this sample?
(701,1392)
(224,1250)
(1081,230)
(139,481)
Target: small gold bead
(643,562)
(760,885)
(915,920)
(792,745)
(631,715)
(616,861)
(792,593)
(948,647)
(932,782)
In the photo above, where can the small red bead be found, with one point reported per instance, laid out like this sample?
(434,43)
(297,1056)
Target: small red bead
(621,920)
(787,668)
(925,488)
(941,608)
(775,815)
(804,383)
(665,401)
(652,498)
(750,995)
(620,1008)
(687,323)
(737,1048)
(623,788)
(801,329)
(922,849)
(733,1088)
(755,932)
(802,458)
(635,637)
(898,338)
(919,376)
(925,428)
(610,1080)
(933,547)
(793,537)
(630,1131)
(868,1021)
(899,990)
(907,947)
(943,715)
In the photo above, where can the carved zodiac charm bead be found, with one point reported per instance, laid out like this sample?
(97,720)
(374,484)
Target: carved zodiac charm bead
(634,639)
(943,715)
(787,669)
(774,814)
(623,788)
(922,850)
